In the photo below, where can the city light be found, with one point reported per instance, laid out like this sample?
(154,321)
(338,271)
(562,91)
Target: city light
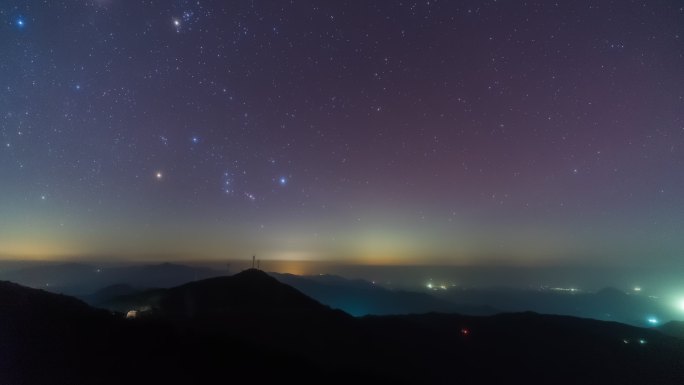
(567,289)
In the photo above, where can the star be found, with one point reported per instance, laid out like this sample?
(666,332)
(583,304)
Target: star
(282,181)
(20,22)
(159,175)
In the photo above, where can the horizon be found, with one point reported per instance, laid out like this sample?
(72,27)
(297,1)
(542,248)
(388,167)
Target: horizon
(653,281)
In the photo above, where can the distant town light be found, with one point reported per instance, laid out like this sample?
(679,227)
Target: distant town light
(652,320)
(568,289)
(637,288)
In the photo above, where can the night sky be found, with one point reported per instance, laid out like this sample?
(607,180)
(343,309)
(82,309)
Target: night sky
(376,132)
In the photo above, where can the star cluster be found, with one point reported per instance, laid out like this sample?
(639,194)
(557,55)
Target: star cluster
(380,132)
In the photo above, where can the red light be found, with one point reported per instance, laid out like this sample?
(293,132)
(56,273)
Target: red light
(465,331)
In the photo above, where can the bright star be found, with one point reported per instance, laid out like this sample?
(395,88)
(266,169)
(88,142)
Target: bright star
(20,23)
(195,139)
(282,181)
(159,175)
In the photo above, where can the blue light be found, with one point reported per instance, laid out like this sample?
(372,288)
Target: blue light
(282,181)
(20,22)
(652,320)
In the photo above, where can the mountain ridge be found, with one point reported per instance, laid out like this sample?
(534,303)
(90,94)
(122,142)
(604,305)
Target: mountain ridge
(262,331)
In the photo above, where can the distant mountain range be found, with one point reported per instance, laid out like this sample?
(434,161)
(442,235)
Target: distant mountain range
(609,304)
(83,279)
(358,297)
(122,288)
(252,328)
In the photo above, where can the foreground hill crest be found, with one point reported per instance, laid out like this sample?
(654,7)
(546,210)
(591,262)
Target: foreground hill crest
(251,291)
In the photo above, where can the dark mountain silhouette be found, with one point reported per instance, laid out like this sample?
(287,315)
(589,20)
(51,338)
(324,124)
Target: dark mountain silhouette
(673,328)
(262,310)
(41,330)
(19,302)
(251,291)
(47,338)
(358,297)
(252,328)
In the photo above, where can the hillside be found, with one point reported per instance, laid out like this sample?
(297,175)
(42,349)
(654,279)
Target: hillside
(253,328)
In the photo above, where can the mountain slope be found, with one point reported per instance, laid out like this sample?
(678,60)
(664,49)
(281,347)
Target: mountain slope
(673,328)
(251,291)
(252,328)
(47,338)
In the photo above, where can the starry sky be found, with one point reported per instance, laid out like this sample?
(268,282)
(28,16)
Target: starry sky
(384,132)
